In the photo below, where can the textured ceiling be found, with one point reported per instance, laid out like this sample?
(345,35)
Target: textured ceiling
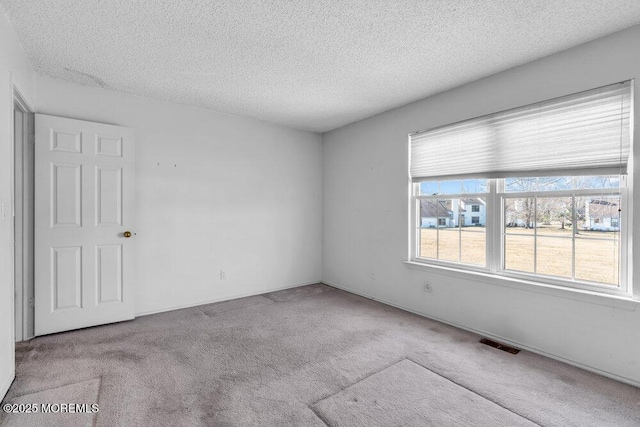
(307,64)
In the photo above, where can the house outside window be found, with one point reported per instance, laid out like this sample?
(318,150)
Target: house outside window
(475,208)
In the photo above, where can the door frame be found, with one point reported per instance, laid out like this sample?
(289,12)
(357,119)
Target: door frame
(22,194)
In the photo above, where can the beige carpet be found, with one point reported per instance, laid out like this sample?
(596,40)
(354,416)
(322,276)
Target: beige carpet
(407,394)
(81,393)
(310,356)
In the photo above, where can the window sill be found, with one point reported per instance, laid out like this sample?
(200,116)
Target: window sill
(615,301)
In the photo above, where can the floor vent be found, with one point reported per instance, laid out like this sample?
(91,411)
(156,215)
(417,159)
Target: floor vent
(499,346)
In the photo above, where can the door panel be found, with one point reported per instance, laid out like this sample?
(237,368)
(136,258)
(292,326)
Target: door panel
(109,197)
(66,195)
(84,203)
(66,278)
(109,276)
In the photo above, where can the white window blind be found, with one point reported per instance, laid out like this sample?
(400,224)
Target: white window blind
(581,132)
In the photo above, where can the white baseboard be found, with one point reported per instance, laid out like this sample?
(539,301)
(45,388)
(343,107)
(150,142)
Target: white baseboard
(494,336)
(227,298)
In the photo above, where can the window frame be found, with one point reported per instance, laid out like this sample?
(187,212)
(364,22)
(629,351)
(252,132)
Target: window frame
(495,242)
(415,224)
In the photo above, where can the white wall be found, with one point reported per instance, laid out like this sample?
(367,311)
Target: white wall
(14,70)
(365,218)
(214,192)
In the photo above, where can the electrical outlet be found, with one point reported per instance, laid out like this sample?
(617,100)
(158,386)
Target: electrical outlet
(427,287)
(373,276)
(223,275)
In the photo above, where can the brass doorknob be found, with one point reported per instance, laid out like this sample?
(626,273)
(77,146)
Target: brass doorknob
(127,234)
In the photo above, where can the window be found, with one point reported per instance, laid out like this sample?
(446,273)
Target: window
(550,208)
(563,233)
(453,241)
(560,228)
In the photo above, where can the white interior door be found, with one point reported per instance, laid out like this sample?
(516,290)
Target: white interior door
(84,208)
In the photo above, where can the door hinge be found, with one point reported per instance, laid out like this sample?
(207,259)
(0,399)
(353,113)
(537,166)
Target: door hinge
(32,302)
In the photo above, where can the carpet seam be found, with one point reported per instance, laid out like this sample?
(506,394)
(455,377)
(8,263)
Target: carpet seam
(97,414)
(53,388)
(474,392)
(320,417)
(358,381)
(237,309)
(268,295)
